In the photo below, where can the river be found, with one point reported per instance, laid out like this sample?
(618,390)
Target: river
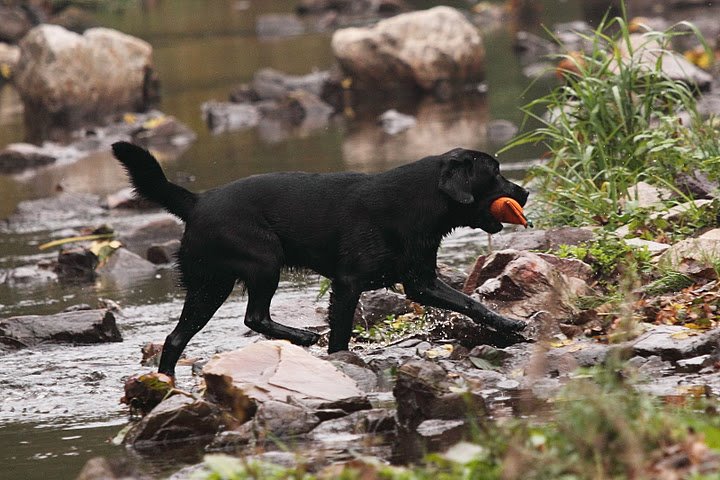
(59,404)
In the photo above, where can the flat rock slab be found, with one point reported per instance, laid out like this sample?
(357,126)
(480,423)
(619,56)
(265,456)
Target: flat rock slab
(276,370)
(85,326)
(673,342)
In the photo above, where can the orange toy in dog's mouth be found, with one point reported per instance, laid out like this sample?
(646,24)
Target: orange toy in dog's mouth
(507,210)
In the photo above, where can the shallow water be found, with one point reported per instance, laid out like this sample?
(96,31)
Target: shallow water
(59,405)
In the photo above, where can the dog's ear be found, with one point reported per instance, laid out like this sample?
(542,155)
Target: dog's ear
(455,180)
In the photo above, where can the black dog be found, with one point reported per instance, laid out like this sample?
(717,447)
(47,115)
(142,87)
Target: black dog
(361,231)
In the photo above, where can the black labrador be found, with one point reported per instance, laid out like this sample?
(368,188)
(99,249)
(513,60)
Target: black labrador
(362,231)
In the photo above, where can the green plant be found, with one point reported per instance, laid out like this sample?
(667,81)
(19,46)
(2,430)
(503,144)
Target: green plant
(608,255)
(325,285)
(391,328)
(611,124)
(670,281)
(651,224)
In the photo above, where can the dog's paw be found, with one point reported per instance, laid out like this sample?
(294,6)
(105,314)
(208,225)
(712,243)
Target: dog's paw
(514,325)
(306,338)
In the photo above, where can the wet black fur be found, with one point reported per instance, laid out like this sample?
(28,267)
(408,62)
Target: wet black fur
(362,231)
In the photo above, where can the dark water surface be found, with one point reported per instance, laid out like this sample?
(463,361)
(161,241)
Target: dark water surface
(59,404)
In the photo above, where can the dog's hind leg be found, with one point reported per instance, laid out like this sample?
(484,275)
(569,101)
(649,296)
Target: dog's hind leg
(202,300)
(261,289)
(343,301)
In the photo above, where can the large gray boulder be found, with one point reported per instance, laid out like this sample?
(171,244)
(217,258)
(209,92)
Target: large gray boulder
(426,49)
(67,79)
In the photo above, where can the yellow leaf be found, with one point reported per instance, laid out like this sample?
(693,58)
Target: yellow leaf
(5,70)
(683,334)
(80,238)
(154,122)
(129,118)
(443,351)
(576,347)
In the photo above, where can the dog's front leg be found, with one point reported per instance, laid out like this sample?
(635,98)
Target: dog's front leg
(437,293)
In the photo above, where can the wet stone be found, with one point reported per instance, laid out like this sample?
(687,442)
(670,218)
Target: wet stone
(163,253)
(365,378)
(236,437)
(454,277)
(168,133)
(24,276)
(18,157)
(145,392)
(125,268)
(695,364)
(270,84)
(673,342)
(154,232)
(86,326)
(179,419)
(226,117)
(76,265)
(388,358)
(375,306)
(394,122)
(422,392)
(67,210)
(439,433)
(379,420)
(302,108)
(280,419)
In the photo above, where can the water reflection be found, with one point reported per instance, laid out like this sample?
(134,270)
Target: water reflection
(441,126)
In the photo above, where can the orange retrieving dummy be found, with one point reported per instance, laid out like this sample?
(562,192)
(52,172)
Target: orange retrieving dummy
(507,210)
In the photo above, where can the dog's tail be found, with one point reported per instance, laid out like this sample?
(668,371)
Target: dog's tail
(149,181)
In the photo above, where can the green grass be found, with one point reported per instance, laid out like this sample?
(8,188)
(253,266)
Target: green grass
(609,257)
(611,124)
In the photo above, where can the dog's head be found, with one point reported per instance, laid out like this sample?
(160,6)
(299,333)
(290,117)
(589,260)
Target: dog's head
(472,180)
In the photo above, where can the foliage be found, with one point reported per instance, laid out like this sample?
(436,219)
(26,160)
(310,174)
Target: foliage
(670,281)
(648,224)
(391,328)
(608,256)
(693,307)
(325,285)
(613,123)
